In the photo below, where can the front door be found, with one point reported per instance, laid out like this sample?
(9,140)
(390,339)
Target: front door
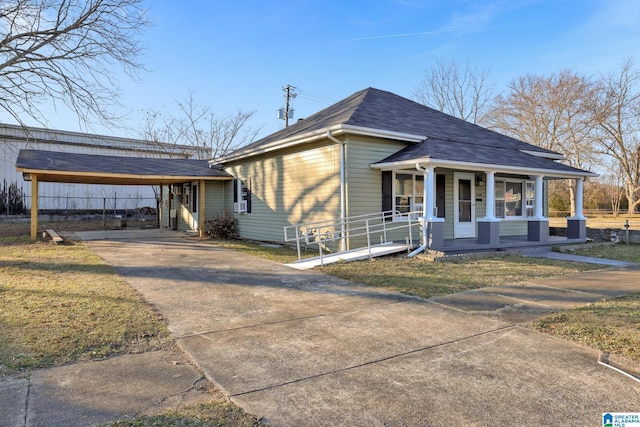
(464,206)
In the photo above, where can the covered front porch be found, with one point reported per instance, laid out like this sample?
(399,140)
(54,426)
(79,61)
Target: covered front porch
(465,209)
(495,211)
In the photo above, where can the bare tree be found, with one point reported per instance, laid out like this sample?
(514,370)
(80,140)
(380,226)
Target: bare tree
(66,51)
(618,113)
(198,126)
(455,89)
(552,112)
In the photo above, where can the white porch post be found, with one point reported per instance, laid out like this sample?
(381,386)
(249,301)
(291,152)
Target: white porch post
(538,225)
(577,225)
(489,226)
(539,202)
(429,193)
(432,226)
(491,195)
(579,198)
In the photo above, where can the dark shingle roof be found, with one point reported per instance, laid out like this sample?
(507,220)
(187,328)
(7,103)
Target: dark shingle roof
(381,110)
(83,166)
(464,152)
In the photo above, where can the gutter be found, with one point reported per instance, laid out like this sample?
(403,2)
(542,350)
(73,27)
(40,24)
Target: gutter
(425,240)
(492,167)
(314,135)
(343,205)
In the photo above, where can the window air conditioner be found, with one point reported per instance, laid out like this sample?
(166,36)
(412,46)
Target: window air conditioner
(240,207)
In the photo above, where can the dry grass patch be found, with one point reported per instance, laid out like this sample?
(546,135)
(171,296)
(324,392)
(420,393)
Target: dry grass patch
(620,251)
(277,253)
(215,414)
(421,277)
(610,326)
(60,304)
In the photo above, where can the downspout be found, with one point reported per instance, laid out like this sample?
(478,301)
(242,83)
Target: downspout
(425,239)
(343,206)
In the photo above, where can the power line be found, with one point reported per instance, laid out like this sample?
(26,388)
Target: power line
(315,97)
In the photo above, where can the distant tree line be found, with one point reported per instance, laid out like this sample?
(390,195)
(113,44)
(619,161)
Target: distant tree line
(11,199)
(593,121)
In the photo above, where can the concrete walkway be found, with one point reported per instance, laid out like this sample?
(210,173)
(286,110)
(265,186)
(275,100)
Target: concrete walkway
(302,348)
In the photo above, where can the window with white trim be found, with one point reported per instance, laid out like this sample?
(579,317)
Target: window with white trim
(241,196)
(531,198)
(514,198)
(408,192)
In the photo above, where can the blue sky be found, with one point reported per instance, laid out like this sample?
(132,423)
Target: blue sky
(237,55)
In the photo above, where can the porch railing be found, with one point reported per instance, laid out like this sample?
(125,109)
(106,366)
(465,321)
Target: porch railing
(374,226)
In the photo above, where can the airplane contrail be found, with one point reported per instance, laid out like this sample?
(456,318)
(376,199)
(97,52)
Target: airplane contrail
(389,36)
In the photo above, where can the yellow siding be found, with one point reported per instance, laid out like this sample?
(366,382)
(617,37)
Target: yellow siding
(294,186)
(364,184)
(516,227)
(214,198)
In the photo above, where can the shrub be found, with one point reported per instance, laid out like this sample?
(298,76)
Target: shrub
(223,226)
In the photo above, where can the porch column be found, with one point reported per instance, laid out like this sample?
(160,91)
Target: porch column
(539,202)
(429,193)
(577,225)
(579,198)
(201,205)
(538,226)
(432,226)
(34,206)
(491,195)
(489,226)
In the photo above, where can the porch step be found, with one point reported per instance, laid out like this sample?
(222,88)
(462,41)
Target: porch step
(352,255)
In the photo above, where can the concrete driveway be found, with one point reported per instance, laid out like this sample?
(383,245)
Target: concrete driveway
(302,348)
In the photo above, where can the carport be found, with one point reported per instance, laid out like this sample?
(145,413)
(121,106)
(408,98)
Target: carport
(50,166)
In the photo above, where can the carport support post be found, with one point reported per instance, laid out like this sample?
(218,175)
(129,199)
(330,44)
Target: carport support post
(34,207)
(201,209)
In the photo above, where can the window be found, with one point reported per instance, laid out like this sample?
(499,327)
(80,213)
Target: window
(510,196)
(194,198)
(499,208)
(513,198)
(241,196)
(531,197)
(402,192)
(186,194)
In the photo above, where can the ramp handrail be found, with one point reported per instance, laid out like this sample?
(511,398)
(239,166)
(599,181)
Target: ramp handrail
(374,224)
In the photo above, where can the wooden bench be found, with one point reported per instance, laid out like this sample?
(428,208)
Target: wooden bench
(54,236)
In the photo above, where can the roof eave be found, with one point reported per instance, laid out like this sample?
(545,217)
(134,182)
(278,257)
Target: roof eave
(485,167)
(319,134)
(114,178)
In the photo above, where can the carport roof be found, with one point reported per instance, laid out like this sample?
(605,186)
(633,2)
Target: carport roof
(51,166)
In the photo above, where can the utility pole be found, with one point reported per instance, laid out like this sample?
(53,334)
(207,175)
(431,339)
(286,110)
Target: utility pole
(289,95)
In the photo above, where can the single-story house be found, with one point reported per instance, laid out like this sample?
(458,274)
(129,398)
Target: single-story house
(378,155)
